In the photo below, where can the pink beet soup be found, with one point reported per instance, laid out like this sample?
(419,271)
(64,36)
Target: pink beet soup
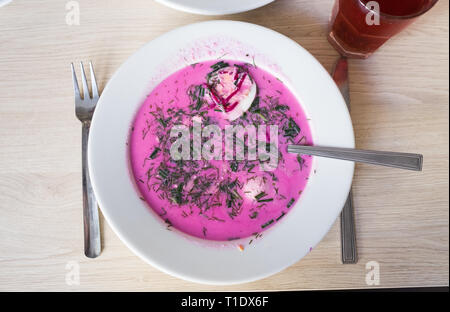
(218,199)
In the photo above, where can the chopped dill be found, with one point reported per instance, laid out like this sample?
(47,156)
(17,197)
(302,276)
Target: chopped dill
(267,224)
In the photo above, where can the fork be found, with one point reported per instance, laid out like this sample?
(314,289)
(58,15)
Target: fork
(84,109)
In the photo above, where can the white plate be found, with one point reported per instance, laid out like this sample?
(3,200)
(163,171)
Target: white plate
(195,259)
(214,7)
(4,2)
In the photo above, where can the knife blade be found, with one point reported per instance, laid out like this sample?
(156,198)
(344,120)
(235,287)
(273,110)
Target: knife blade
(348,233)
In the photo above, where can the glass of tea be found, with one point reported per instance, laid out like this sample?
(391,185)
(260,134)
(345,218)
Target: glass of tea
(359,27)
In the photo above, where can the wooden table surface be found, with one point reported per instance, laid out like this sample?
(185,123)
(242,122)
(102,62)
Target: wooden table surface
(400,102)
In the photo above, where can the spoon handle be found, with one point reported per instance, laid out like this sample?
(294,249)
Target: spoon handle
(389,159)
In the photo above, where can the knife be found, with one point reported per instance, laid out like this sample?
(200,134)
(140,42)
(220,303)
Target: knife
(348,233)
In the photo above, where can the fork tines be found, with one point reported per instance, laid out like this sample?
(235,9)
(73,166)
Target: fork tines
(94,88)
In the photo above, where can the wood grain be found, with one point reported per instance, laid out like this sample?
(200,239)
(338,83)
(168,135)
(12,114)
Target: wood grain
(400,101)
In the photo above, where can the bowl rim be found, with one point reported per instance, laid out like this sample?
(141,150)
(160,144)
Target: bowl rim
(208,7)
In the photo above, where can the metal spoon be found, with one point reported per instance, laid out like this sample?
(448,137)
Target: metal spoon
(389,159)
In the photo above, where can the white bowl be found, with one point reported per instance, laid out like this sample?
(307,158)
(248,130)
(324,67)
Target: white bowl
(214,7)
(207,261)
(4,2)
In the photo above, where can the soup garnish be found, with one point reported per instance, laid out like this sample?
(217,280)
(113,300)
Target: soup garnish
(211,189)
